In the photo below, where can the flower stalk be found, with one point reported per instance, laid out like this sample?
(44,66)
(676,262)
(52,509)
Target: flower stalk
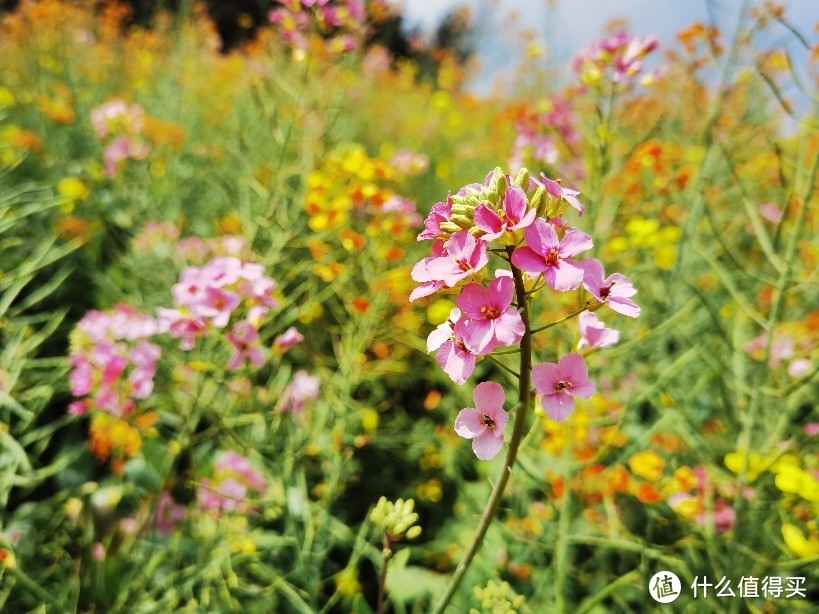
(518,428)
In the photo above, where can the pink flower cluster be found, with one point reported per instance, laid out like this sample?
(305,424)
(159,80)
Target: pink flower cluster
(122,124)
(112,363)
(522,217)
(297,18)
(616,58)
(233,478)
(208,297)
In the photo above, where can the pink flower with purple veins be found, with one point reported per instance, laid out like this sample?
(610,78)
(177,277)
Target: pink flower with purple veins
(512,216)
(465,256)
(485,423)
(557,384)
(245,341)
(552,257)
(615,290)
(490,321)
(593,333)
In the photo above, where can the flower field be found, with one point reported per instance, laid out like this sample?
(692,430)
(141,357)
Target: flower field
(308,326)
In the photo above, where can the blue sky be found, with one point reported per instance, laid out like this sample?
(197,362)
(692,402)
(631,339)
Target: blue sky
(565,26)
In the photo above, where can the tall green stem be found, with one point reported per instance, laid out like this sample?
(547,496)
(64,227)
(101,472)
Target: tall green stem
(492,504)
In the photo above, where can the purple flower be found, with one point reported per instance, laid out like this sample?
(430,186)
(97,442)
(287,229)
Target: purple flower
(548,255)
(490,322)
(615,290)
(558,384)
(485,423)
(594,334)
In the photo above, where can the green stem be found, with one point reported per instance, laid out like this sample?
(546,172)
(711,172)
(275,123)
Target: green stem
(561,320)
(492,504)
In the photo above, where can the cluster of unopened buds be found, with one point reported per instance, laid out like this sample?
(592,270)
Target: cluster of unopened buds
(617,58)
(121,124)
(521,221)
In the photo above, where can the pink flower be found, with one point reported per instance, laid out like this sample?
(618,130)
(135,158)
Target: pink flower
(512,216)
(548,255)
(485,423)
(457,361)
(218,304)
(288,338)
(303,389)
(181,325)
(465,257)
(244,339)
(420,272)
(558,384)
(490,320)
(593,333)
(770,212)
(615,290)
(557,192)
(440,212)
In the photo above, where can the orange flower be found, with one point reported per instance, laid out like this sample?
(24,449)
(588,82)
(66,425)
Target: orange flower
(646,493)
(361,304)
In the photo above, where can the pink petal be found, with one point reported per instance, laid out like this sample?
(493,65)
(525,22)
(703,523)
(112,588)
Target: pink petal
(477,335)
(564,276)
(509,328)
(469,423)
(574,242)
(514,203)
(593,274)
(541,236)
(500,291)
(471,300)
(583,389)
(544,377)
(527,259)
(487,446)
(558,406)
(488,221)
(488,397)
(623,306)
(572,368)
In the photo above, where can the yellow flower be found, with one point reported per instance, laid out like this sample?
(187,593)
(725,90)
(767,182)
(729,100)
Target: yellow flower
(798,544)
(648,465)
(72,189)
(792,479)
(753,463)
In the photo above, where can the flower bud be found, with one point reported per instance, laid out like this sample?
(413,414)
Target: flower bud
(537,201)
(522,180)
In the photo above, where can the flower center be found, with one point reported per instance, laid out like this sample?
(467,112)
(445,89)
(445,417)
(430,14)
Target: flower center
(486,420)
(606,290)
(463,264)
(561,386)
(551,257)
(490,313)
